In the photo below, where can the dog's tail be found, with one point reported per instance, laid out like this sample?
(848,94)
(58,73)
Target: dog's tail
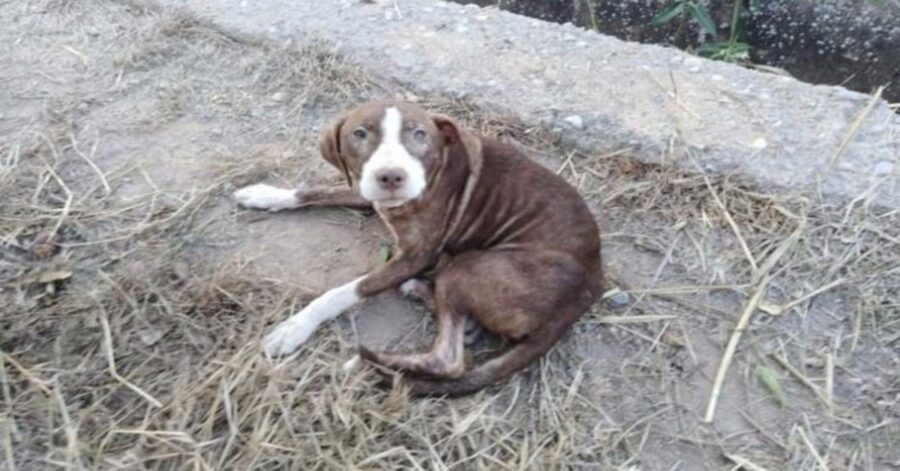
(496,369)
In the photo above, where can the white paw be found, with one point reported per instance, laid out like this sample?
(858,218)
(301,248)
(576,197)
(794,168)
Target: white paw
(262,196)
(287,337)
(410,287)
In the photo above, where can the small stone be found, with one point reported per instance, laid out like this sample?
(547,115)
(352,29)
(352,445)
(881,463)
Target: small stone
(150,337)
(43,245)
(462,29)
(278,96)
(759,144)
(575,121)
(619,300)
(884,168)
(481,17)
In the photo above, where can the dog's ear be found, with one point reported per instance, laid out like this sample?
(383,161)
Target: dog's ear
(330,147)
(457,138)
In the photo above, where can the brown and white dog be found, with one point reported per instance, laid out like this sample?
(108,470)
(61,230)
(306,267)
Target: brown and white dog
(500,238)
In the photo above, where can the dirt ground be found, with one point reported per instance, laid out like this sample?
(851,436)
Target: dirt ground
(134,293)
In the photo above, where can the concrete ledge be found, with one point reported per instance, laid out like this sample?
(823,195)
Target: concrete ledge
(602,94)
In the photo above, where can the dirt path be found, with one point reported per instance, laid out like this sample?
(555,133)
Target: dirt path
(124,129)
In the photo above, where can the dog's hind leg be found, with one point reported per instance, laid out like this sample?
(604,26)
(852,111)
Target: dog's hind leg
(446,357)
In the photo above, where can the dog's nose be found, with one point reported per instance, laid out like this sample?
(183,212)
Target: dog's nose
(390,179)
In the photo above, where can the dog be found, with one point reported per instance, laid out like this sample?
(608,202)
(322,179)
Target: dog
(480,231)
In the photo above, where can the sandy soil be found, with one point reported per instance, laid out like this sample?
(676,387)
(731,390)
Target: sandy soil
(134,293)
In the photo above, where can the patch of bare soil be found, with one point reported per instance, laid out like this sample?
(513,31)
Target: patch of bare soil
(134,294)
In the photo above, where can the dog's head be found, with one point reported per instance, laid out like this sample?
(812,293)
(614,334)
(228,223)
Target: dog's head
(392,150)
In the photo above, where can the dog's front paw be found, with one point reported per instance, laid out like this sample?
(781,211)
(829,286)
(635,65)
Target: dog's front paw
(262,196)
(286,338)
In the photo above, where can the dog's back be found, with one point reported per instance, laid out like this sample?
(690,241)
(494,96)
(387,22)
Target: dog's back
(518,203)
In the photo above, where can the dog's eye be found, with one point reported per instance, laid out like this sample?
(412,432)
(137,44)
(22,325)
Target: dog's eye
(360,133)
(420,134)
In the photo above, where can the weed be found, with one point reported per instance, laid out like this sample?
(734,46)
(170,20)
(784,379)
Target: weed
(734,49)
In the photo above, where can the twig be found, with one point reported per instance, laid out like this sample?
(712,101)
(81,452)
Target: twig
(854,128)
(733,225)
(612,154)
(763,278)
(676,289)
(111,361)
(812,449)
(69,197)
(40,383)
(565,163)
(745,463)
(829,382)
(633,319)
(70,429)
(9,424)
(674,96)
(728,356)
(8,446)
(801,377)
(857,329)
(787,307)
(80,55)
(91,162)
(779,252)
(768,435)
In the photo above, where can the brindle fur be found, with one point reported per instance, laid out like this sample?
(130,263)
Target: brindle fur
(503,239)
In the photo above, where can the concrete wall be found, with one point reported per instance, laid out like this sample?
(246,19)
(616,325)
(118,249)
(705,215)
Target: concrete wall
(851,42)
(600,93)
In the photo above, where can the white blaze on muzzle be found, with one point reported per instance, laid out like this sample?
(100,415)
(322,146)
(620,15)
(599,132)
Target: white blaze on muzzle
(392,162)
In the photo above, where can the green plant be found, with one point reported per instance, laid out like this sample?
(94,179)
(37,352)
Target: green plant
(592,14)
(734,49)
(687,9)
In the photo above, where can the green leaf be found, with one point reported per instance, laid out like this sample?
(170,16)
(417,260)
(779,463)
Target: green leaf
(701,16)
(770,380)
(667,14)
(725,51)
(384,253)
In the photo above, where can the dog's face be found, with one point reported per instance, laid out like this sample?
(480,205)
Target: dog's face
(390,148)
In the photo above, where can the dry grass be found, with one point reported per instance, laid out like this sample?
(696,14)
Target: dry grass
(130,335)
